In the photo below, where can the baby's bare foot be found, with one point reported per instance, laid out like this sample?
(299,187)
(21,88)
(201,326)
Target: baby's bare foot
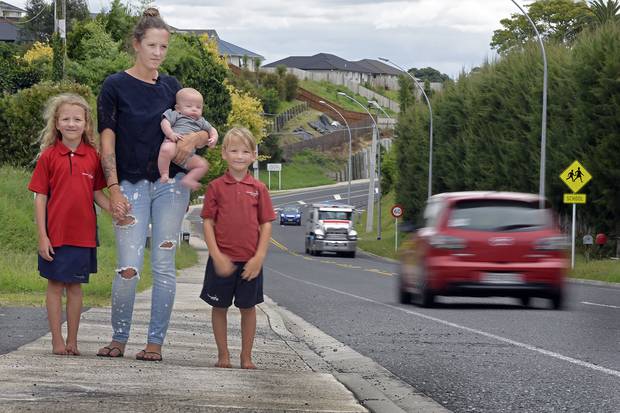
(164,178)
(190,183)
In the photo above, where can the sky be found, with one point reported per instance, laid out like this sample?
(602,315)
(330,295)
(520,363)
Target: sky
(448,35)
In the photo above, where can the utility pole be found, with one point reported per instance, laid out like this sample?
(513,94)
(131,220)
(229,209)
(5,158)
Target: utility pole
(60,27)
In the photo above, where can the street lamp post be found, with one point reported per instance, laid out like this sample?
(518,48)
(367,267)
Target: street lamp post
(430,110)
(376,105)
(349,166)
(543,133)
(373,154)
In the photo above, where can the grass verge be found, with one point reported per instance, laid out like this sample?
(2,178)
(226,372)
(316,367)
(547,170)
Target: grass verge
(20,283)
(307,169)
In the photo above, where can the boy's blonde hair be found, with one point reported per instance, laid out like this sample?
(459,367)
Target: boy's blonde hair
(239,134)
(50,133)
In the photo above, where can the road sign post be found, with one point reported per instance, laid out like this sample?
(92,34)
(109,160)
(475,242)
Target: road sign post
(575,177)
(397,212)
(275,167)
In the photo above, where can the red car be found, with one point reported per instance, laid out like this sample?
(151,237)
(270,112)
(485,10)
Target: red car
(484,244)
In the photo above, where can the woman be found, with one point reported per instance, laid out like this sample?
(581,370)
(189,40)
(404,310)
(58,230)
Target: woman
(130,107)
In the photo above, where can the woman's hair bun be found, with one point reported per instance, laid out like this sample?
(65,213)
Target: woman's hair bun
(151,12)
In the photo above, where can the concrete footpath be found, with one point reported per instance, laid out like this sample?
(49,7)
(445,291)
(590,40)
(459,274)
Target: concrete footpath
(300,369)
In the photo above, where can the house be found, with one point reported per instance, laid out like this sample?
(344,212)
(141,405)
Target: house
(10,12)
(235,55)
(325,66)
(9,15)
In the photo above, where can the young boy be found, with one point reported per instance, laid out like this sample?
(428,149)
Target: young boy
(237,215)
(186,118)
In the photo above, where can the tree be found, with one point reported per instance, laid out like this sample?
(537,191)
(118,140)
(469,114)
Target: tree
(556,20)
(429,73)
(40,17)
(119,21)
(605,12)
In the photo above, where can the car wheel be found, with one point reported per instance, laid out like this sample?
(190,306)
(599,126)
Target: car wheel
(426,297)
(557,301)
(404,297)
(525,300)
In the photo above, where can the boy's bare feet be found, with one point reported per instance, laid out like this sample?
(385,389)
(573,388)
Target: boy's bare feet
(58,346)
(72,349)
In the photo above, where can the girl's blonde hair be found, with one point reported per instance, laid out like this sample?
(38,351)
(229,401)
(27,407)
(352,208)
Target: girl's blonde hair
(239,134)
(50,133)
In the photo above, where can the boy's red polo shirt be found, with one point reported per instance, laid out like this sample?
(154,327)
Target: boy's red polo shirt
(69,179)
(237,208)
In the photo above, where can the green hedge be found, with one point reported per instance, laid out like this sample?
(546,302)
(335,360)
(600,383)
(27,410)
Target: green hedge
(21,120)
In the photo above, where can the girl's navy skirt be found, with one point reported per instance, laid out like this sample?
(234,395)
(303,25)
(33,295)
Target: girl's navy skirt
(70,264)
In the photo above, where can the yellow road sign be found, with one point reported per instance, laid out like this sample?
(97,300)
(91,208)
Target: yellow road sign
(574,198)
(575,176)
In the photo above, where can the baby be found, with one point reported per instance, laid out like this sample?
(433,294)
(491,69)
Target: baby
(185,119)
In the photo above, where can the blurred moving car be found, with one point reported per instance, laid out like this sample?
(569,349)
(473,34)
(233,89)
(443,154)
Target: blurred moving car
(484,244)
(290,215)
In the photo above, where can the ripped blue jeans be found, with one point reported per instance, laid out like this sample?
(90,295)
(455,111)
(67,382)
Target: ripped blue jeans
(163,205)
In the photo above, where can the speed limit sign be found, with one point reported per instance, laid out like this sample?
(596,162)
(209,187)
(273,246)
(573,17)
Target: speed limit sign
(397,211)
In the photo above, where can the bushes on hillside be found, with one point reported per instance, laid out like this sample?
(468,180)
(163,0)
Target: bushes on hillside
(21,120)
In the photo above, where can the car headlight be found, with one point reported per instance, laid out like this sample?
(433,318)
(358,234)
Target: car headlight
(319,236)
(352,236)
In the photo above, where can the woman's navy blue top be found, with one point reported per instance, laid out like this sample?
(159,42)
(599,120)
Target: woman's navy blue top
(132,109)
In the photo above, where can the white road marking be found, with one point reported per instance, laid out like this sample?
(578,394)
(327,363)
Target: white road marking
(461,327)
(600,305)
(337,196)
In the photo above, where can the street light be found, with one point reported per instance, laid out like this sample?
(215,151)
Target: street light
(373,154)
(543,133)
(322,102)
(376,105)
(430,110)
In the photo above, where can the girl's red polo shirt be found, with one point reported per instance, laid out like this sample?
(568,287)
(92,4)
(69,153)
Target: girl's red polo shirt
(237,208)
(69,180)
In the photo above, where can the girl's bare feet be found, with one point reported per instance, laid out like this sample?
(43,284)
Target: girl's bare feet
(58,346)
(247,364)
(72,349)
(223,361)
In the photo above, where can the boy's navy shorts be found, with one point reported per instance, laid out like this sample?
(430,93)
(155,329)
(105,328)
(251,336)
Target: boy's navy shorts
(219,291)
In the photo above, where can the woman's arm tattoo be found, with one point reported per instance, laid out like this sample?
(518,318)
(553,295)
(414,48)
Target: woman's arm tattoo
(108,162)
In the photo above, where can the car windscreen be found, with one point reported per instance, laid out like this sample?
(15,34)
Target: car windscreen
(498,215)
(342,215)
(290,211)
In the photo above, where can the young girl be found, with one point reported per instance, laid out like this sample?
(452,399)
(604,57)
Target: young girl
(67,179)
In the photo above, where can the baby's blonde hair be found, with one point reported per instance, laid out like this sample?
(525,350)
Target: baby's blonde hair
(50,133)
(239,134)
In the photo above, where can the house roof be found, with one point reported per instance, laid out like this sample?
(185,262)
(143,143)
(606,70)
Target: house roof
(230,49)
(8,32)
(320,61)
(378,67)
(326,61)
(225,48)
(10,7)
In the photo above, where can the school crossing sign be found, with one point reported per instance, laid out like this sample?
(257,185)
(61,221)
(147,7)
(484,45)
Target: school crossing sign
(575,177)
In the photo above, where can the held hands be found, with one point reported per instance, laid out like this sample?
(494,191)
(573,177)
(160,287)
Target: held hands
(45,248)
(119,206)
(252,268)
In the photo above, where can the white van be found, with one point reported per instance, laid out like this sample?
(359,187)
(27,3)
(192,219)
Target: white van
(329,227)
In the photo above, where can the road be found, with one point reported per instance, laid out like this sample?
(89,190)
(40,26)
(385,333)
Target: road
(469,354)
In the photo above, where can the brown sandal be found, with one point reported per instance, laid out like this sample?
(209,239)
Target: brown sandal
(110,350)
(142,353)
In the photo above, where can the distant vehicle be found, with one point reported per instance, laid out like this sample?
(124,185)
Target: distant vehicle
(484,244)
(330,228)
(290,215)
